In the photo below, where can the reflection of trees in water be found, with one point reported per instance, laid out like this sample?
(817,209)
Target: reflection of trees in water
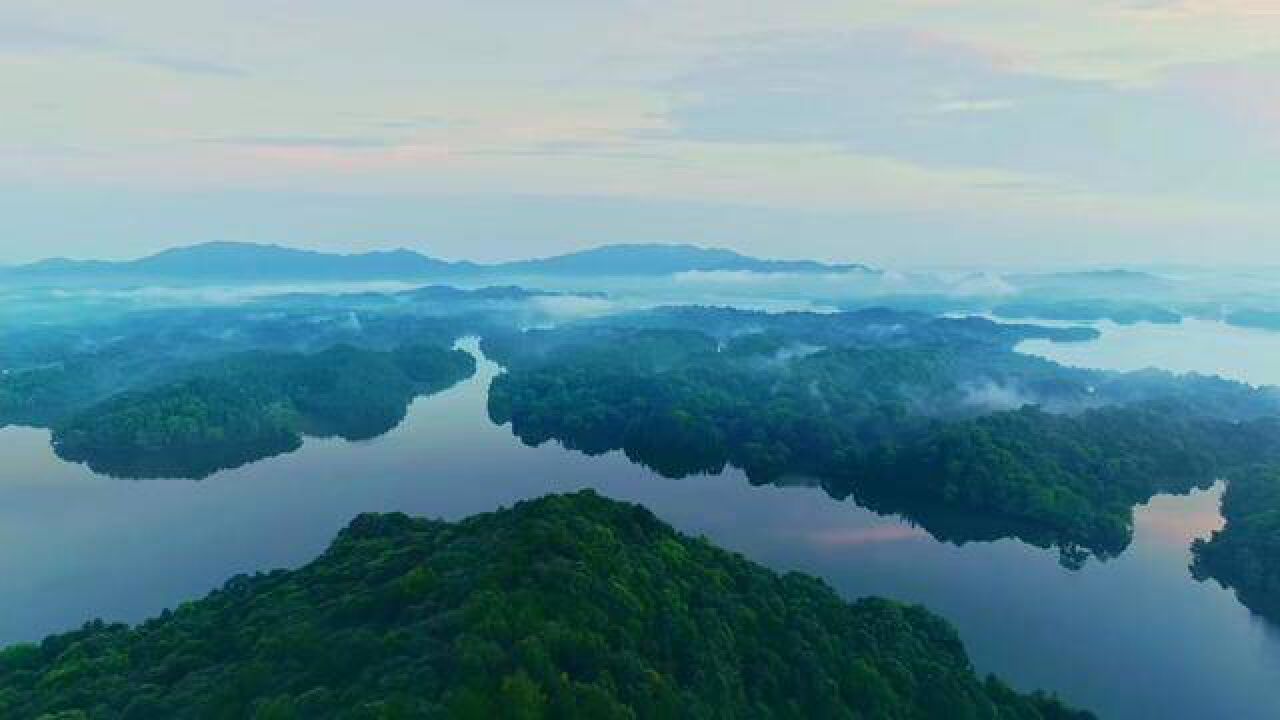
(952,430)
(959,528)
(686,447)
(198,463)
(189,463)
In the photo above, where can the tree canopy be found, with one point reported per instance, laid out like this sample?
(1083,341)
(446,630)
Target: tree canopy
(1053,455)
(564,607)
(248,406)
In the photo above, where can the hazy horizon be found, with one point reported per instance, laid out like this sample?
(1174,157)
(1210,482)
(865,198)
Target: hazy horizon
(1153,266)
(922,133)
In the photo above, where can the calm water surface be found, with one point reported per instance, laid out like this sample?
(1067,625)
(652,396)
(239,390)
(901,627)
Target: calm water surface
(1135,637)
(1202,346)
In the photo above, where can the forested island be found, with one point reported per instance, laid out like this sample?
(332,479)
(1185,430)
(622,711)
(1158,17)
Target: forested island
(46,380)
(1245,554)
(249,406)
(186,391)
(51,371)
(938,422)
(570,606)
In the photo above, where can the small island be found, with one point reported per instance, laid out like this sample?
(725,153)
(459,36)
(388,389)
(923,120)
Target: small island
(250,406)
(570,606)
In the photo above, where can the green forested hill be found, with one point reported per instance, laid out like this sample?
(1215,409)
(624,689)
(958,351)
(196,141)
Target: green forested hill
(252,405)
(566,607)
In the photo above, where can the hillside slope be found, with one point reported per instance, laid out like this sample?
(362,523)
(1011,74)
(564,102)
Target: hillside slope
(565,607)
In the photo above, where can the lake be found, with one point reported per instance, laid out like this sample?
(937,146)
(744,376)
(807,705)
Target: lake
(1202,346)
(1134,637)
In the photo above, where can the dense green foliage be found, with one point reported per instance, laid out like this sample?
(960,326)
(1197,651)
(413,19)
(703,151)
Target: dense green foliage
(37,396)
(923,428)
(1062,480)
(50,371)
(189,429)
(1245,554)
(879,326)
(53,383)
(249,406)
(565,607)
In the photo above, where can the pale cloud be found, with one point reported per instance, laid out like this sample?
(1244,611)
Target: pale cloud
(1113,118)
(933,102)
(21,39)
(1208,8)
(190,66)
(304,141)
(18,37)
(970,106)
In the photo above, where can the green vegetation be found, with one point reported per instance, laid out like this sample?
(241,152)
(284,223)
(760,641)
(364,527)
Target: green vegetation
(37,396)
(1245,554)
(250,406)
(1026,448)
(876,325)
(566,607)
(51,371)
(52,384)
(1057,480)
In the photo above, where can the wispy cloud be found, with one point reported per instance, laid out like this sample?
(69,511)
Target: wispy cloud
(42,39)
(865,131)
(924,99)
(630,149)
(190,66)
(973,105)
(25,37)
(421,122)
(306,141)
(1207,8)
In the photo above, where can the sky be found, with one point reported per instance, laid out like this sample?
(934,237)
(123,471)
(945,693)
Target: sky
(911,132)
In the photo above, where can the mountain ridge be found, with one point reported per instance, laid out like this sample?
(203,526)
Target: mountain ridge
(240,262)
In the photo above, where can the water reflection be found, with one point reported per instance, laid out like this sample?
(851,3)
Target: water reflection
(854,537)
(1133,637)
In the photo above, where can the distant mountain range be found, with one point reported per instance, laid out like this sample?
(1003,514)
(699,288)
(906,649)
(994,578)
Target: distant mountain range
(226,262)
(663,260)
